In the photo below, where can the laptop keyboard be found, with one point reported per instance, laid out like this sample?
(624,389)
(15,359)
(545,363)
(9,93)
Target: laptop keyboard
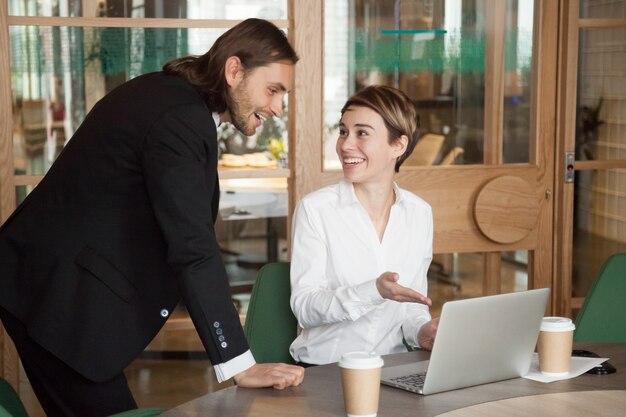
(413,380)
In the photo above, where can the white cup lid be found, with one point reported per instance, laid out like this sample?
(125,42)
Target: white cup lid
(557,324)
(361,360)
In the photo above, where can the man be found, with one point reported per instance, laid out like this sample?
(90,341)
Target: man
(99,254)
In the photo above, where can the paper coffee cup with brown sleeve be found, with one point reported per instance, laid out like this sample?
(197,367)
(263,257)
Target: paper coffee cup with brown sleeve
(360,379)
(555,345)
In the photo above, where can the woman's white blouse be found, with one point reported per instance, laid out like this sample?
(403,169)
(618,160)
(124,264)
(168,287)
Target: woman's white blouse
(336,259)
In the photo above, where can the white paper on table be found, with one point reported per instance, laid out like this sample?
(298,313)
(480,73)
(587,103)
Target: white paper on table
(578,366)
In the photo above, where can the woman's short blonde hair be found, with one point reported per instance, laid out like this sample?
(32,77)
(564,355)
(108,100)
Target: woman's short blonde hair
(397,111)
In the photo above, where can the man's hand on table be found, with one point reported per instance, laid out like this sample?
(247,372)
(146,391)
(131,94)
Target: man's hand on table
(277,375)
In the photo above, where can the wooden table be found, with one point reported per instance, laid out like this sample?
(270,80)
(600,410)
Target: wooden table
(320,395)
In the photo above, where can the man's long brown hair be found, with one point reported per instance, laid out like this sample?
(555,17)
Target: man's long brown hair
(255,42)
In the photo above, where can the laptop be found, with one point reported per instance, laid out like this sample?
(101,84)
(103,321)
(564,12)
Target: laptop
(479,340)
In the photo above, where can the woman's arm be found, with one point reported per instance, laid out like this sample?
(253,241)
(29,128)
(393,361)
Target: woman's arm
(317,300)
(418,314)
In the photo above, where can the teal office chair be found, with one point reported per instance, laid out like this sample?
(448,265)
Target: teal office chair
(141,412)
(602,316)
(12,406)
(4,412)
(10,403)
(270,324)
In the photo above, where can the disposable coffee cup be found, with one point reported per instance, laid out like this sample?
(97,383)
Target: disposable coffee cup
(555,345)
(360,379)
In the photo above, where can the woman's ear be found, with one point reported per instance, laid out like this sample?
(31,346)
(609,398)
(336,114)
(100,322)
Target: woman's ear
(400,145)
(233,71)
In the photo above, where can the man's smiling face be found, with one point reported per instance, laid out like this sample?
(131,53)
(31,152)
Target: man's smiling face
(258,94)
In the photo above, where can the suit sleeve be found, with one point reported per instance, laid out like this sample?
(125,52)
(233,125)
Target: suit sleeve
(180,168)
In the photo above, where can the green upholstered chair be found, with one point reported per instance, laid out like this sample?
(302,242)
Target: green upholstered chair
(141,412)
(4,412)
(12,406)
(602,316)
(270,324)
(10,403)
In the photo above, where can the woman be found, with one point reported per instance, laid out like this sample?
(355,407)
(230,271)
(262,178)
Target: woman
(362,247)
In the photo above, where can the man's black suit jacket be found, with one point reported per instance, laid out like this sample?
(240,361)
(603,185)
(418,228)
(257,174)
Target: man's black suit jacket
(120,228)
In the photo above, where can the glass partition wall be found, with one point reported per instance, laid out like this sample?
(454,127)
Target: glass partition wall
(60,70)
(435,52)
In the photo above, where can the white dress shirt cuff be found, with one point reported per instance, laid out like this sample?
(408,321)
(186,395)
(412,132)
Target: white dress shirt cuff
(361,299)
(410,336)
(226,370)
(367,292)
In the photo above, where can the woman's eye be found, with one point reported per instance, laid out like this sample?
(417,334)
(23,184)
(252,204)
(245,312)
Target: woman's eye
(343,132)
(362,133)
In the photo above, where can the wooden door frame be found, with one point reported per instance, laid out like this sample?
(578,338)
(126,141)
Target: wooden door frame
(8,355)
(566,136)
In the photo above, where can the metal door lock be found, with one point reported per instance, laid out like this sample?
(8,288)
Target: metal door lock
(569,166)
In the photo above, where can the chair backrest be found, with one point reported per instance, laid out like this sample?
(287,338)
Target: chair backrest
(426,150)
(141,412)
(4,412)
(10,403)
(34,113)
(12,406)
(270,324)
(451,156)
(602,318)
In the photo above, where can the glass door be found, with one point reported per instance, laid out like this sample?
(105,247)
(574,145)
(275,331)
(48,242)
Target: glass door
(481,74)
(591,225)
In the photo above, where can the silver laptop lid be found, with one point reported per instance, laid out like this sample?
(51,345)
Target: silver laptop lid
(485,339)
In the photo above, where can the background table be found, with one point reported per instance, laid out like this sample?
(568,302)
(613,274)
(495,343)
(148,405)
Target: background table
(261,199)
(320,394)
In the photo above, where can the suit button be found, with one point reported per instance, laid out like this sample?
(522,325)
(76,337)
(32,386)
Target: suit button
(219,332)
(221,338)
(165,313)
(216,324)
(224,344)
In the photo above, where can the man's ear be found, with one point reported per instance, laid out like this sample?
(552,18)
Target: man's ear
(233,71)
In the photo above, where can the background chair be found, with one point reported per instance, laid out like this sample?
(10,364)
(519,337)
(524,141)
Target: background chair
(10,403)
(602,316)
(451,156)
(426,150)
(34,128)
(270,324)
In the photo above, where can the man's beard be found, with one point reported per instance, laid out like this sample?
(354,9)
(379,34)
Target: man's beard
(236,103)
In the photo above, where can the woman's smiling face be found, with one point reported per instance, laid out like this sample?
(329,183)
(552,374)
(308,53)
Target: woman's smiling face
(363,146)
